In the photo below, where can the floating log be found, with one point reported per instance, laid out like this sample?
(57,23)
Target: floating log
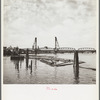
(57,63)
(88,68)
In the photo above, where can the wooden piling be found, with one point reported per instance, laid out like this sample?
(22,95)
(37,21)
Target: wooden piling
(31,63)
(27,58)
(27,54)
(76,64)
(31,67)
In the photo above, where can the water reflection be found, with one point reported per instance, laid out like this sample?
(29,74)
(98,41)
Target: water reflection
(27,63)
(55,73)
(29,71)
(55,69)
(35,70)
(21,63)
(31,67)
(35,64)
(18,64)
(76,81)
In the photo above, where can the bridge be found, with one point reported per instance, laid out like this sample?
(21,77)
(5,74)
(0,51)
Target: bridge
(86,49)
(57,49)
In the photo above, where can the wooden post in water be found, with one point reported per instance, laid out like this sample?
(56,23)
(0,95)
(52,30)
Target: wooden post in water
(56,45)
(31,62)
(31,67)
(76,64)
(27,58)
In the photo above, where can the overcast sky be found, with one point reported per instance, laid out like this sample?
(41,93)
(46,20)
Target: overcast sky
(73,22)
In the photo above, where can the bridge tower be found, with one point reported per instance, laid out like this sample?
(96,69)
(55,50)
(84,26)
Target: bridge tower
(35,43)
(34,47)
(56,45)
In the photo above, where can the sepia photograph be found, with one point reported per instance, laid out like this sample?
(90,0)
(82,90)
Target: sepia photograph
(49,41)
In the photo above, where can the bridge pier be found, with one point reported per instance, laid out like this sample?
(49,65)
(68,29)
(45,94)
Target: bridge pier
(76,64)
(56,45)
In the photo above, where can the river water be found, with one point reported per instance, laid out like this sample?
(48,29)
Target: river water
(16,72)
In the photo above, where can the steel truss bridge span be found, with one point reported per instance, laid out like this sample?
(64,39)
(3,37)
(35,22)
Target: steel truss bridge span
(86,49)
